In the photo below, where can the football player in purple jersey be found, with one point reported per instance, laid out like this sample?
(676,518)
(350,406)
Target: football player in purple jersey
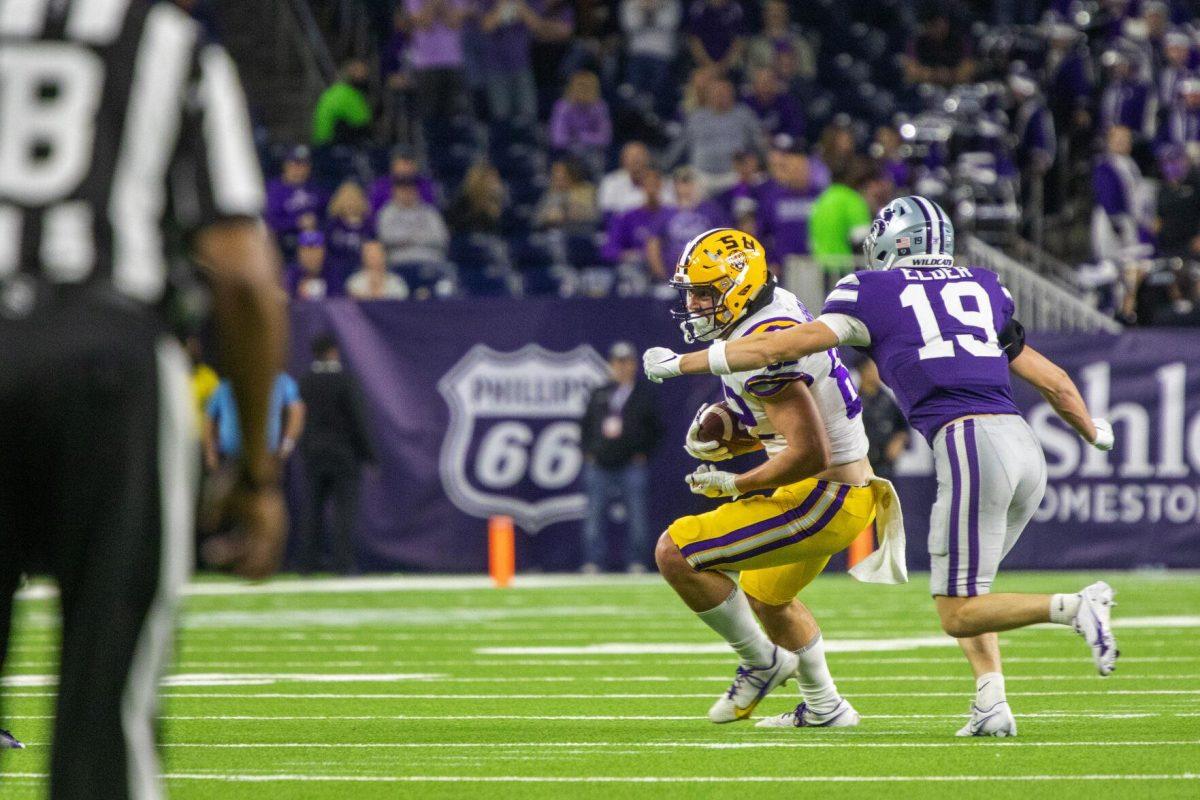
(945,341)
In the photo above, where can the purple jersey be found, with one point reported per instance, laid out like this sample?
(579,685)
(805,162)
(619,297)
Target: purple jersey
(934,336)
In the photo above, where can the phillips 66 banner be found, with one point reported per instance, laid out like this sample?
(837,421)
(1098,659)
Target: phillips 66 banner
(474,407)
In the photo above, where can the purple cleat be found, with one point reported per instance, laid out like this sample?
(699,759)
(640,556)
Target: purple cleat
(9,742)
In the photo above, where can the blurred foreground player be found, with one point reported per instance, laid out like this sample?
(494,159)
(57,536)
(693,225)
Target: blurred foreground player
(124,142)
(945,340)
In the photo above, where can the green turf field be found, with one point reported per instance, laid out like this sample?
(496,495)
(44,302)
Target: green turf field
(598,689)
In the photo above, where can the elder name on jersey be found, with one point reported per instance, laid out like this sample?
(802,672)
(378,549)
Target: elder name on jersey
(934,337)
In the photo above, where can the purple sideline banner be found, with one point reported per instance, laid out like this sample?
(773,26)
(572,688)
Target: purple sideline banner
(472,406)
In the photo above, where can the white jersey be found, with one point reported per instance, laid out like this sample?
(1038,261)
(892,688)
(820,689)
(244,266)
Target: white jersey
(826,377)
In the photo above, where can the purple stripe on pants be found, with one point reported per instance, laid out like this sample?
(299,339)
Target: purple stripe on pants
(761,526)
(812,530)
(972,509)
(955,502)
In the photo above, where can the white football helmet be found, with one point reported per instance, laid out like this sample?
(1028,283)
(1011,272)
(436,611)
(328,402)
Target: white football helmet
(910,232)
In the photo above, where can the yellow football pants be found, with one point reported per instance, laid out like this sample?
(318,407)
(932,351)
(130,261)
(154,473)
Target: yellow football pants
(781,542)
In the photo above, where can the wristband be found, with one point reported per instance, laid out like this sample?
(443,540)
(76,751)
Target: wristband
(717,363)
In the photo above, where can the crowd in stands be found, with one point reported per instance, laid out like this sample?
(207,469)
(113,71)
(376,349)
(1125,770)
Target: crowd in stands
(550,146)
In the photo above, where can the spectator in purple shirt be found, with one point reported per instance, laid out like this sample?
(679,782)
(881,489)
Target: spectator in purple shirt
(1176,67)
(740,201)
(350,224)
(1035,138)
(1068,78)
(716,34)
(886,150)
(304,276)
(780,36)
(1120,226)
(294,203)
(785,209)
(1128,100)
(1183,122)
(691,217)
(403,166)
(509,27)
(436,56)
(580,124)
(629,231)
(777,111)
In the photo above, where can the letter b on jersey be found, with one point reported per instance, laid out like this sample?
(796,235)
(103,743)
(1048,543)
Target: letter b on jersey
(49,94)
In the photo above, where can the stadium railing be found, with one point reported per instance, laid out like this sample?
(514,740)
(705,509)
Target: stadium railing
(1042,304)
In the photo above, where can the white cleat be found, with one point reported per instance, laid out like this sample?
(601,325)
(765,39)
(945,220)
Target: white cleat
(996,720)
(842,716)
(1093,623)
(751,685)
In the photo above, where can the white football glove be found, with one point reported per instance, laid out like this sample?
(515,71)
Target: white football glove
(712,482)
(703,451)
(661,363)
(1104,435)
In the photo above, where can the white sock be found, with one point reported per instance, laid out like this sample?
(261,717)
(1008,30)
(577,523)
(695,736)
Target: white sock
(989,690)
(1064,607)
(816,684)
(735,623)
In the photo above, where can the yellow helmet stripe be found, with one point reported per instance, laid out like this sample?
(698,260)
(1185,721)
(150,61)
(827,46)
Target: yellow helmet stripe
(694,243)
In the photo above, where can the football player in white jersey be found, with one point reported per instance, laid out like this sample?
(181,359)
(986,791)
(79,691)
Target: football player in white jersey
(806,414)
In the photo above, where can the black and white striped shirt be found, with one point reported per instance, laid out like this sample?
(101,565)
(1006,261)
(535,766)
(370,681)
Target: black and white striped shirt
(122,131)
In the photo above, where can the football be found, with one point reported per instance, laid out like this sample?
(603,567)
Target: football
(720,423)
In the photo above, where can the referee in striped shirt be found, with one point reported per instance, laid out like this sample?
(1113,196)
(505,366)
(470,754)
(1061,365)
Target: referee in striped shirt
(124,145)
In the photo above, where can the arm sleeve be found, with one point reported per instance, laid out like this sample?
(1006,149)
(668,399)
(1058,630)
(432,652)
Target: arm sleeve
(1012,339)
(849,330)
(215,173)
(842,315)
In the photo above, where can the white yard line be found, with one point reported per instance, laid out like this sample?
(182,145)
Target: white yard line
(271,718)
(617,779)
(694,648)
(374,584)
(272,678)
(744,745)
(183,695)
